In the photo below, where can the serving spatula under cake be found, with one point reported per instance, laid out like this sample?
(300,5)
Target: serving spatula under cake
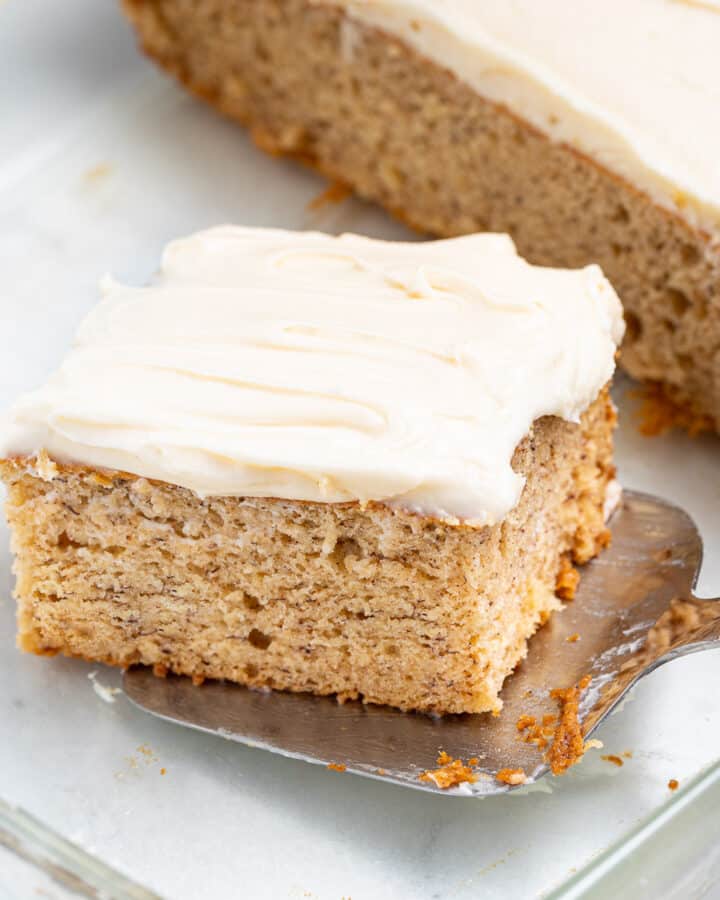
(634,611)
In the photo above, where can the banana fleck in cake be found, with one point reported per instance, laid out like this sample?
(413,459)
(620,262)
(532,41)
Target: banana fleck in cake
(318,464)
(588,131)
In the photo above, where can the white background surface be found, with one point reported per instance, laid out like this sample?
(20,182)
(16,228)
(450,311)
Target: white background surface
(102,160)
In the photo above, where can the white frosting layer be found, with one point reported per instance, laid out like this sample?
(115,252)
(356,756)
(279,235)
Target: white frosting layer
(302,366)
(634,85)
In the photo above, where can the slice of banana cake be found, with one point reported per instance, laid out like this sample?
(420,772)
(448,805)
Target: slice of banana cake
(322,464)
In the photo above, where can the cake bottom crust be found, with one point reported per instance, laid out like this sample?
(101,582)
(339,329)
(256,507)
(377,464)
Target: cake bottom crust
(380,604)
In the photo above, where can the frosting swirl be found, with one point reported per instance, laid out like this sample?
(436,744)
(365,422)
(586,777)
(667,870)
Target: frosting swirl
(302,366)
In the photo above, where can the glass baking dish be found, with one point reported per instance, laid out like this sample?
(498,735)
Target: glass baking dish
(102,161)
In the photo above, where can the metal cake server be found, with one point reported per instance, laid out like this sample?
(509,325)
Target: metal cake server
(633,612)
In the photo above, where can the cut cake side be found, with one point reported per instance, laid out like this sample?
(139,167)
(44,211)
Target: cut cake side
(376,603)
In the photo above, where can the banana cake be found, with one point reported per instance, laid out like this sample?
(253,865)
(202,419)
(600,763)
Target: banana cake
(588,131)
(302,462)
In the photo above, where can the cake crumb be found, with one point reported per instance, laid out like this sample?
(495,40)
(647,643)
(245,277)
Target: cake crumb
(673,784)
(534,732)
(660,413)
(160,671)
(451,772)
(197,680)
(567,581)
(612,758)
(573,638)
(98,172)
(334,193)
(337,767)
(603,540)
(163,771)
(380,772)
(564,730)
(568,746)
(627,754)
(511,776)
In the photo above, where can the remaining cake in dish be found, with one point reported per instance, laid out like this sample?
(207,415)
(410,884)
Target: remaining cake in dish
(320,464)
(588,131)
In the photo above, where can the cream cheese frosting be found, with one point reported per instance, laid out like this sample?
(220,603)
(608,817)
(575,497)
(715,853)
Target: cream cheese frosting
(268,363)
(633,85)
